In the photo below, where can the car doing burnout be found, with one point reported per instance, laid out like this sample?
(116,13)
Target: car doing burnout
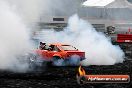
(59,51)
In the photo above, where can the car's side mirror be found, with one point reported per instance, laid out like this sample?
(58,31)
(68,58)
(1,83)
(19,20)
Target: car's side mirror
(49,49)
(59,50)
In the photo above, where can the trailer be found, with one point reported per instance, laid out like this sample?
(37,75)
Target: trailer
(125,42)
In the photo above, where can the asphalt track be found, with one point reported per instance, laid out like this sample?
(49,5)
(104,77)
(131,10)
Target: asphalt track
(63,77)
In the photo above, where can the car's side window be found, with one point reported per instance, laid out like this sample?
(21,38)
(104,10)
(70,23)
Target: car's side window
(55,48)
(46,47)
(51,47)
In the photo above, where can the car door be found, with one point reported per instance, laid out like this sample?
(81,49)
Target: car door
(44,53)
(53,51)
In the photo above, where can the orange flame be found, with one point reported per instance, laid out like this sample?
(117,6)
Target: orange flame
(81,71)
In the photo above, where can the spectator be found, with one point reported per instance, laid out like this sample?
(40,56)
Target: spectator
(42,45)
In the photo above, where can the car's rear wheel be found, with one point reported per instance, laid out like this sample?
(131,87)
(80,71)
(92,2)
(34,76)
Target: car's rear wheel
(72,61)
(57,61)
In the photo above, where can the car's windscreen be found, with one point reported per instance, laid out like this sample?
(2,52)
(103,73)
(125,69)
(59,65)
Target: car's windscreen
(68,47)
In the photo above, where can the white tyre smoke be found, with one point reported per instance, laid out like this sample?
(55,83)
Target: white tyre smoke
(14,39)
(98,48)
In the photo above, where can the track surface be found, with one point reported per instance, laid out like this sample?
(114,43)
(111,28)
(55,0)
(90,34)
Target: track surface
(58,77)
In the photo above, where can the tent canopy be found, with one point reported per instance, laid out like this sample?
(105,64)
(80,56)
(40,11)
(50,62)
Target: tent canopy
(107,3)
(97,3)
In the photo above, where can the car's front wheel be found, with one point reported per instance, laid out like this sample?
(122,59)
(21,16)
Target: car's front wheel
(33,61)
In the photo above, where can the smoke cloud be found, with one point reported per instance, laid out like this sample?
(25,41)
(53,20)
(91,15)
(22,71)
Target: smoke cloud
(29,10)
(98,48)
(14,38)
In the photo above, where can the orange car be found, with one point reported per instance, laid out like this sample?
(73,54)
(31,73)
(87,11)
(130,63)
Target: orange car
(59,51)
